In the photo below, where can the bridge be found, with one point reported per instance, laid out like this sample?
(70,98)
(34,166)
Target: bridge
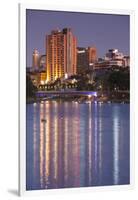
(66,92)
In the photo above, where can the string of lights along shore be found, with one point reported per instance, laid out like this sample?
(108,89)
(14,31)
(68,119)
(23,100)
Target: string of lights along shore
(64,58)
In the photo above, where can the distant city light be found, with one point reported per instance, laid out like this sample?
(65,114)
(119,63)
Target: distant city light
(83,51)
(95,94)
(42,82)
(89,95)
(74,80)
(66,75)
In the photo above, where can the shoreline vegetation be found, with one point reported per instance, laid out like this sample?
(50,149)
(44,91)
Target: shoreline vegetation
(111,86)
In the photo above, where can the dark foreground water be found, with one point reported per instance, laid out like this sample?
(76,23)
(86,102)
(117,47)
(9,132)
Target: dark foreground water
(77,145)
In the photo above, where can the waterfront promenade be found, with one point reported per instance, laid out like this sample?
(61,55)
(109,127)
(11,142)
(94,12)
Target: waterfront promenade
(66,92)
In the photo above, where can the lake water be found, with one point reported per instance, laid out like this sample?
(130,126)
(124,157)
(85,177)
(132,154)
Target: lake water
(77,145)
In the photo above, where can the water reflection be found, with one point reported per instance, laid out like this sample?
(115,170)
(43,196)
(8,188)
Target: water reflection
(90,146)
(34,142)
(76,145)
(100,143)
(116,146)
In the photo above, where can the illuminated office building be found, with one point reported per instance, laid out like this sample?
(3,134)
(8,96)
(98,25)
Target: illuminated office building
(86,57)
(92,54)
(42,67)
(61,54)
(82,60)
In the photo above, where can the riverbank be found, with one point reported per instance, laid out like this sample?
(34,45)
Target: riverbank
(77,99)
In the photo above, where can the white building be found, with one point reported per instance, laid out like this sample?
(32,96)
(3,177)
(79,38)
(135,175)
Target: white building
(116,58)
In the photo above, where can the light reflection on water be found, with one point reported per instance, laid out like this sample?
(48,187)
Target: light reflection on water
(116,146)
(77,145)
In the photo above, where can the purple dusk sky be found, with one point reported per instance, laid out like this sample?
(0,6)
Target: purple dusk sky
(104,31)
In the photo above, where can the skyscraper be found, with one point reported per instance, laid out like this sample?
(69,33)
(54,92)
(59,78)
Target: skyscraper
(86,57)
(61,53)
(35,62)
(82,60)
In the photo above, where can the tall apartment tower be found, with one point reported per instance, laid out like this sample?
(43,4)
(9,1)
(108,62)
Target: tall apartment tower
(36,56)
(61,51)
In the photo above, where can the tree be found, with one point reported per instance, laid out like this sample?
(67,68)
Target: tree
(30,88)
(119,79)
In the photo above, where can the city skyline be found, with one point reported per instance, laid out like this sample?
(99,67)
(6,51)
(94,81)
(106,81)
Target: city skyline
(97,35)
(77,100)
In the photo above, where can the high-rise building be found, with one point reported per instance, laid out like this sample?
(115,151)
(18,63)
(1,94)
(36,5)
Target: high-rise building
(86,57)
(35,63)
(82,60)
(92,54)
(61,54)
